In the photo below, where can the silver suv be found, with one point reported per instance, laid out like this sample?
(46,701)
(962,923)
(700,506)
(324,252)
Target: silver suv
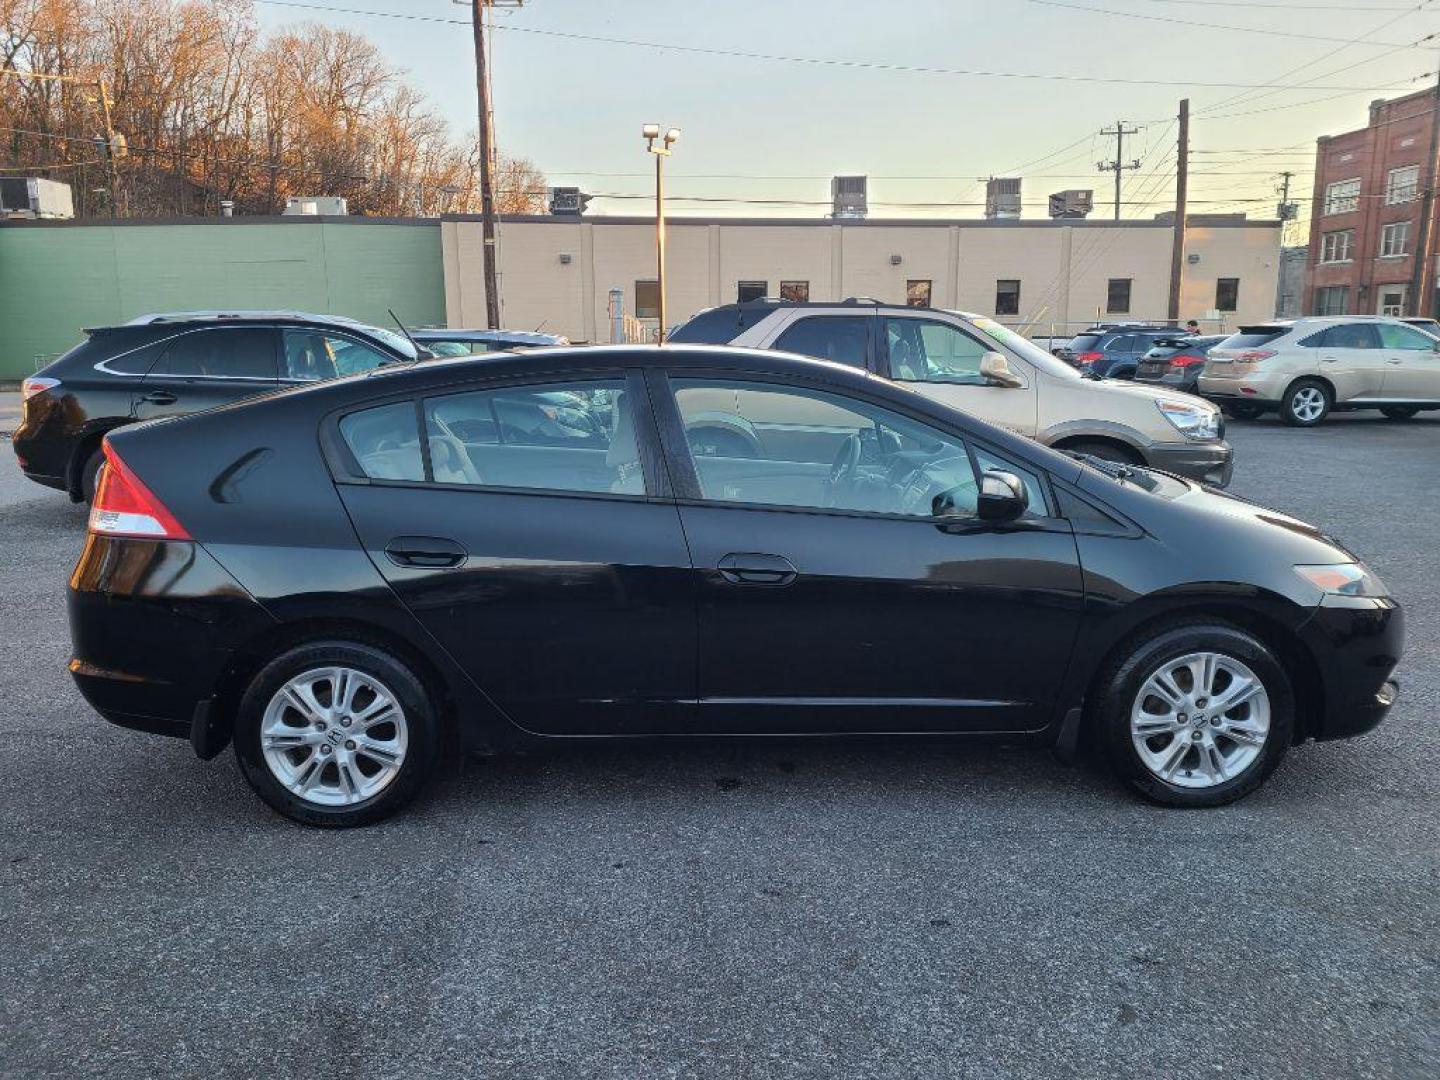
(1308,367)
(974,364)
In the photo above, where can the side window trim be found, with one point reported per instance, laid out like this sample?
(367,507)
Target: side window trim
(679,463)
(346,469)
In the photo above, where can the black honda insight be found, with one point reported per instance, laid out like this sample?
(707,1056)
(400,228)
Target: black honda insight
(546,547)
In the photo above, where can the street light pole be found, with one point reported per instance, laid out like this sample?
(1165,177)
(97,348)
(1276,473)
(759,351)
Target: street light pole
(651,133)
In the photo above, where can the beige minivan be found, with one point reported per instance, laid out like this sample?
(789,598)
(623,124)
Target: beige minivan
(972,363)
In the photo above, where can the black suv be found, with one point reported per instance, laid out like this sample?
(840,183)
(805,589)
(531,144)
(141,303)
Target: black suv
(164,365)
(1113,350)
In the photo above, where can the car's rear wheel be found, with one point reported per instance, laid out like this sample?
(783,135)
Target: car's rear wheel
(1306,403)
(1242,410)
(1196,714)
(1400,412)
(336,733)
(90,475)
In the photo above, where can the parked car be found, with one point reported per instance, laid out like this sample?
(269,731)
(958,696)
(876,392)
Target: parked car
(1308,367)
(973,363)
(182,362)
(1430,326)
(478,342)
(1176,361)
(936,575)
(1113,351)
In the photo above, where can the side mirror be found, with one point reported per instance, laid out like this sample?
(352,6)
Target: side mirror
(996,370)
(1003,497)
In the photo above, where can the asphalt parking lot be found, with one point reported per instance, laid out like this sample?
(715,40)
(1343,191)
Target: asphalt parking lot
(751,910)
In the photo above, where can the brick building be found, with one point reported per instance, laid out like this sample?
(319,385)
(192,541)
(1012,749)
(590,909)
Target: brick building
(1370,194)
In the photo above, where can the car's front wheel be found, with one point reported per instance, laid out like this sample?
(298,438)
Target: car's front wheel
(1196,713)
(336,733)
(1306,403)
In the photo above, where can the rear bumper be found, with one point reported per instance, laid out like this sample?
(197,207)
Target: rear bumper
(1356,642)
(1254,387)
(1209,463)
(153,626)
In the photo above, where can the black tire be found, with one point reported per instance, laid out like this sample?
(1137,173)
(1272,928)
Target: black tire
(1242,410)
(90,475)
(1119,684)
(1302,395)
(1105,451)
(422,726)
(1399,412)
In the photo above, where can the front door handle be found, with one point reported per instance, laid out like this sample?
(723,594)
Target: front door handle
(159,397)
(432,552)
(1328,359)
(752,568)
(1394,361)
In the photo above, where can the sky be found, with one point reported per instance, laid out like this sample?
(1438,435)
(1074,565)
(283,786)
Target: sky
(764,135)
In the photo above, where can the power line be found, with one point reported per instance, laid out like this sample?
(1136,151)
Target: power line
(864,65)
(1292,34)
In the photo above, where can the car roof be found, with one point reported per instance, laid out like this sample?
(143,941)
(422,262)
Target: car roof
(218,315)
(531,337)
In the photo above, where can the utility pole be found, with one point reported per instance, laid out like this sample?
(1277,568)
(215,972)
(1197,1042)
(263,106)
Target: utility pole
(1422,302)
(112,172)
(1177,244)
(1119,165)
(487,153)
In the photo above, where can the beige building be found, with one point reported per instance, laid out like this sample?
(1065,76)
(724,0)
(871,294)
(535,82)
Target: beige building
(1044,277)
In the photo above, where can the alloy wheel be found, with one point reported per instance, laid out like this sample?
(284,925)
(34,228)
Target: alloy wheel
(334,736)
(1200,720)
(1308,404)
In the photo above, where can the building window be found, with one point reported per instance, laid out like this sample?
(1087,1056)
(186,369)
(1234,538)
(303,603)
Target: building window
(1342,196)
(1402,184)
(917,293)
(647,299)
(746,291)
(1336,246)
(1007,297)
(1392,303)
(1395,239)
(1117,296)
(795,292)
(1227,293)
(1332,300)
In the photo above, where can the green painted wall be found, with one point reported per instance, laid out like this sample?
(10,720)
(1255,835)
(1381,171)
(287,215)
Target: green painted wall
(56,279)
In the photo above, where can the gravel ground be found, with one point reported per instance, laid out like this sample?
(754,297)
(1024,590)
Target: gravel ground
(749,910)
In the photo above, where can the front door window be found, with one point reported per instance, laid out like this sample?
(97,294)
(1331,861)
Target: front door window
(927,350)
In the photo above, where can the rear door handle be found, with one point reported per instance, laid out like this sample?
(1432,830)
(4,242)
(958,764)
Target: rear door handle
(433,552)
(1394,361)
(1328,359)
(753,568)
(159,397)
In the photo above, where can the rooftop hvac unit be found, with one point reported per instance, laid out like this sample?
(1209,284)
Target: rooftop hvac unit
(316,206)
(847,196)
(1072,204)
(35,197)
(1002,198)
(568,201)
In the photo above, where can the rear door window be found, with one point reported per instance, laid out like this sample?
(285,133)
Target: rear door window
(1350,336)
(841,338)
(220,353)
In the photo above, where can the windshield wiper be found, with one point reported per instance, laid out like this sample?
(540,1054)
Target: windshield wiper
(1118,470)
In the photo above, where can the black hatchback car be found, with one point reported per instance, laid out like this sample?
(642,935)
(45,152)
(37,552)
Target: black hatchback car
(168,364)
(1177,361)
(336,577)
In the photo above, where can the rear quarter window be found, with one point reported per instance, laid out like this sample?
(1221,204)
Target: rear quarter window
(385,441)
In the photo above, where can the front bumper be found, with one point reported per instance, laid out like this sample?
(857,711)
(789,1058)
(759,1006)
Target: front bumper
(1210,463)
(1356,642)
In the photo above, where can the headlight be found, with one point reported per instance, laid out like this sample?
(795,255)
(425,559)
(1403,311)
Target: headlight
(1343,579)
(1192,421)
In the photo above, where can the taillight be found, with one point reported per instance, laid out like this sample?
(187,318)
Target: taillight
(124,506)
(1089,357)
(36,384)
(1253,356)
(1180,363)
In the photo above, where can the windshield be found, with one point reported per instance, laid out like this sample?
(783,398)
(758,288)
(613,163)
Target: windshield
(392,339)
(1022,347)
